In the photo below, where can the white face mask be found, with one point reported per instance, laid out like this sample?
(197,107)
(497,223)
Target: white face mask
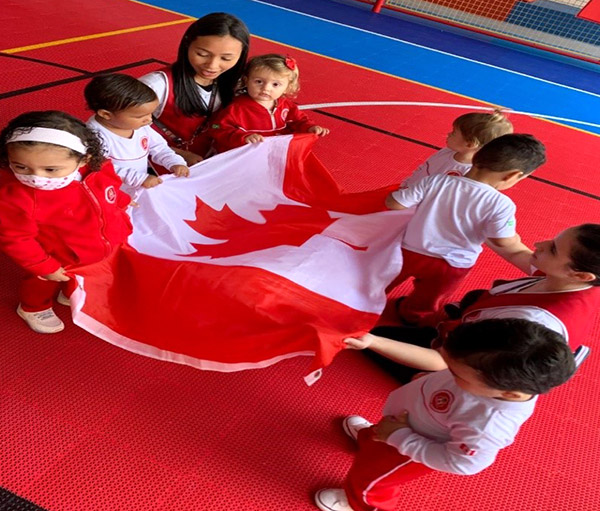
(48,183)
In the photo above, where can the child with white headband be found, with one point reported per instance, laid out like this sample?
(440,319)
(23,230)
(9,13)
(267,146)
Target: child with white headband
(60,208)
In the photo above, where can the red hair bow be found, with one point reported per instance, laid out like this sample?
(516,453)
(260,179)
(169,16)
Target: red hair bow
(290,62)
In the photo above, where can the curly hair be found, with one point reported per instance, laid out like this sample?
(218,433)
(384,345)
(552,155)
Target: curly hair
(57,120)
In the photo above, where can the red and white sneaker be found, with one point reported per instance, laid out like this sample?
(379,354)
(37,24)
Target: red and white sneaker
(353,424)
(42,322)
(332,499)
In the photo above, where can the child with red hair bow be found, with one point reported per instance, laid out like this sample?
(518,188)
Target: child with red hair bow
(265,109)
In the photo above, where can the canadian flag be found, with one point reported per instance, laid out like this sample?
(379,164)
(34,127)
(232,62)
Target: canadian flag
(258,256)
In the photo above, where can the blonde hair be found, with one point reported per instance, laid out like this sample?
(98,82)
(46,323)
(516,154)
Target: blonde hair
(280,64)
(479,128)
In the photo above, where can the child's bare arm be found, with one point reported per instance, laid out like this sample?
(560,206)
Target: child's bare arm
(392,203)
(403,353)
(189,157)
(513,250)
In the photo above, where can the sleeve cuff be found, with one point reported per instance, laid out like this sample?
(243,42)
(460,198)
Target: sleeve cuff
(397,438)
(46,267)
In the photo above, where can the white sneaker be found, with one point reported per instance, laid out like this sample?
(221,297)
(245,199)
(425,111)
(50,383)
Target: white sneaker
(332,499)
(43,322)
(63,300)
(353,424)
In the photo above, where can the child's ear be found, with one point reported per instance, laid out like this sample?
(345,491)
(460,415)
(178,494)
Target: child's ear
(583,276)
(512,176)
(84,160)
(105,114)
(513,395)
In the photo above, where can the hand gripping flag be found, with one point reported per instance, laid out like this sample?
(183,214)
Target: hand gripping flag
(256,257)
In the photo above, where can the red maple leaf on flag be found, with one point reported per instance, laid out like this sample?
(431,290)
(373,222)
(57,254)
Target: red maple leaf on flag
(285,225)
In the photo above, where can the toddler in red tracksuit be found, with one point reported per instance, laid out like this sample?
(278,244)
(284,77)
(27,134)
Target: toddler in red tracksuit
(265,109)
(60,207)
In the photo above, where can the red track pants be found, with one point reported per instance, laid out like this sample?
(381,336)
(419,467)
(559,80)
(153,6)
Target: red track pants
(37,295)
(377,474)
(434,281)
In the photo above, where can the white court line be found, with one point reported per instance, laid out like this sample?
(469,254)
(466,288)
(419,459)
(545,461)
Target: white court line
(431,49)
(442,105)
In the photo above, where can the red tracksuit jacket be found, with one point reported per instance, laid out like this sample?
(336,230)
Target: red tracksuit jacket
(244,116)
(42,230)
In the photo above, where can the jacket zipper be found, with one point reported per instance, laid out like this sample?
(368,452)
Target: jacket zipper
(99,208)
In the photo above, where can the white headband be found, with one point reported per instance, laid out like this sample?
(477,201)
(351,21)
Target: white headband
(50,136)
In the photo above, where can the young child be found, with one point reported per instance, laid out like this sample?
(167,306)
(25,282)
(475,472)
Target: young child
(568,290)
(210,60)
(454,420)
(454,216)
(124,107)
(469,133)
(60,207)
(265,109)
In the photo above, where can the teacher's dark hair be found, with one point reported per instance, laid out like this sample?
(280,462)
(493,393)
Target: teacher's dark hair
(187,97)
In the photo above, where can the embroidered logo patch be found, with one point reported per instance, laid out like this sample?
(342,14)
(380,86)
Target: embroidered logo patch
(441,401)
(110,194)
(284,113)
(144,142)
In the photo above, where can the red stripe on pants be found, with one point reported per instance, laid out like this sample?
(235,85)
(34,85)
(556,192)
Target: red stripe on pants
(434,281)
(377,474)
(37,295)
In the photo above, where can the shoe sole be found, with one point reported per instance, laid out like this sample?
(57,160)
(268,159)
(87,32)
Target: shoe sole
(59,328)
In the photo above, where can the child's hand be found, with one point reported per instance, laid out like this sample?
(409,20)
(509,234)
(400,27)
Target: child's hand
(388,425)
(255,138)
(180,171)
(318,130)
(59,275)
(359,343)
(151,182)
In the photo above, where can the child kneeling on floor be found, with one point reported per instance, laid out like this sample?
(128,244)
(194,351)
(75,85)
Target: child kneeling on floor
(455,419)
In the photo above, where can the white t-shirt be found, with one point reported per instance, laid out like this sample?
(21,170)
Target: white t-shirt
(130,155)
(452,430)
(157,81)
(529,312)
(454,216)
(442,162)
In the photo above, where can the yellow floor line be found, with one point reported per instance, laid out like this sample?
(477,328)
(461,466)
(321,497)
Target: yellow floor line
(59,42)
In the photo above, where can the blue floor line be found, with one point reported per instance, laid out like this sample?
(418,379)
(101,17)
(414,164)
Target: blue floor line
(404,59)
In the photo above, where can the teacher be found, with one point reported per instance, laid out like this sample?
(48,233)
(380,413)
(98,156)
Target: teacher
(211,57)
